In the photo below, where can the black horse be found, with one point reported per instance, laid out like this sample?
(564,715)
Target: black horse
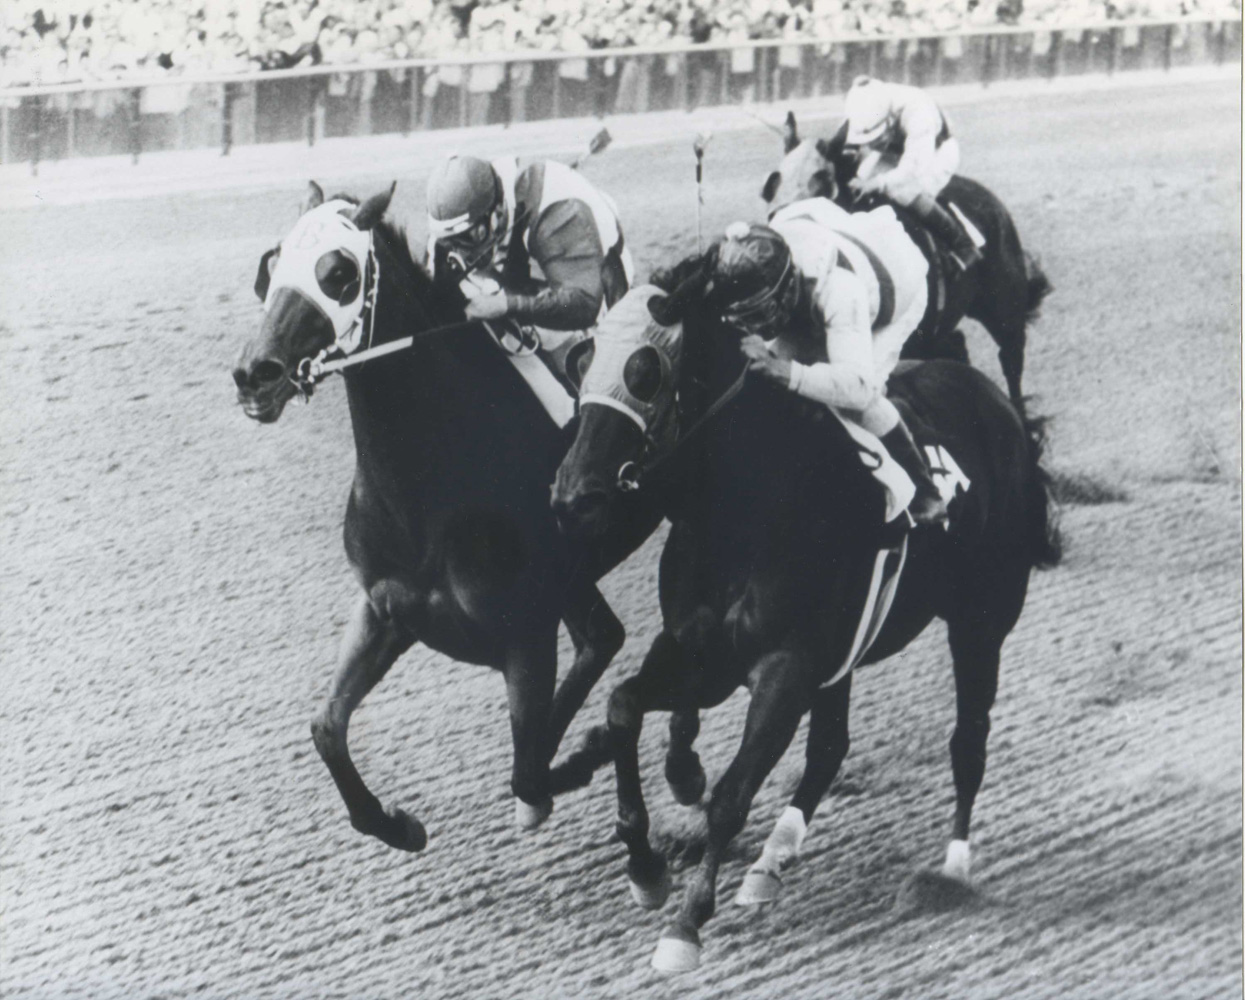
(1004,292)
(447,526)
(772,562)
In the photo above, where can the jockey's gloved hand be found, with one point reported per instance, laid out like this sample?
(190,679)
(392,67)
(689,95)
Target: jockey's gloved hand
(486,299)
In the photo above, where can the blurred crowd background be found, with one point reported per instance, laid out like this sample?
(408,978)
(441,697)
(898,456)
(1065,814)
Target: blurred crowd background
(45,41)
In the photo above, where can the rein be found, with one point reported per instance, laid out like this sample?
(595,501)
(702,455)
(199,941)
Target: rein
(631,474)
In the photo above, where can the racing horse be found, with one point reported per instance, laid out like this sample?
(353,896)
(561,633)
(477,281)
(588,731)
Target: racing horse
(778,554)
(1004,292)
(447,525)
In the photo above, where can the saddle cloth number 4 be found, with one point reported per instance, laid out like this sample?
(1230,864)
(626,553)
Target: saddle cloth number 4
(946,472)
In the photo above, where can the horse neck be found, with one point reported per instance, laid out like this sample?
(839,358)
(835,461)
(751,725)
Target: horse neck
(768,455)
(397,399)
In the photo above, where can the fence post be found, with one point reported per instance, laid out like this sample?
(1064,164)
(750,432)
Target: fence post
(136,124)
(310,116)
(1004,43)
(1113,51)
(875,49)
(1056,54)
(417,107)
(987,66)
(226,119)
(1220,42)
(1169,37)
(724,75)
(464,84)
(557,91)
(36,137)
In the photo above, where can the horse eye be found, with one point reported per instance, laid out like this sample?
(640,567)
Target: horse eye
(642,374)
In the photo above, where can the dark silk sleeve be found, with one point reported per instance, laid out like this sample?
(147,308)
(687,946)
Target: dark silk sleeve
(565,244)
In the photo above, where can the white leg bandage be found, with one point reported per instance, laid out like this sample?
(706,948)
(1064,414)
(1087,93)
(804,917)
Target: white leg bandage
(785,840)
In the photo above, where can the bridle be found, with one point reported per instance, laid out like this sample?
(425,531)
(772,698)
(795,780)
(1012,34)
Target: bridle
(631,474)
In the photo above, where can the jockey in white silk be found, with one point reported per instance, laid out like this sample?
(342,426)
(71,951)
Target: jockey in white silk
(493,224)
(829,299)
(907,154)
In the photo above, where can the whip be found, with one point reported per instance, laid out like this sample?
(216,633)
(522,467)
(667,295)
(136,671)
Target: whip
(699,145)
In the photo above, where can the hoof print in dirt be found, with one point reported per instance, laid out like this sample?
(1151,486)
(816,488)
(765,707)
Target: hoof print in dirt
(929,891)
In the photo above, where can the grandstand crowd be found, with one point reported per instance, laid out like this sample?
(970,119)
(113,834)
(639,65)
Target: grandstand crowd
(53,41)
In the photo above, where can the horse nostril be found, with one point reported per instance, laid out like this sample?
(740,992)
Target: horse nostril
(267,372)
(239,377)
(586,504)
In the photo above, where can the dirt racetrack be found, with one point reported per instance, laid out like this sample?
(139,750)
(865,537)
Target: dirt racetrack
(175,587)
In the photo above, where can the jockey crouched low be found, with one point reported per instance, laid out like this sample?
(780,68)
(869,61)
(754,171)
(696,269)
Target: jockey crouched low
(489,223)
(906,154)
(828,299)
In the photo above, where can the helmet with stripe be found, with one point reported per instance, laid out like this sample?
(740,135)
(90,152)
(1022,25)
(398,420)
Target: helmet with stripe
(754,279)
(466,209)
(868,110)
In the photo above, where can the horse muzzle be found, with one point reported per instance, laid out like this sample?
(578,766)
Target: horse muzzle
(264,387)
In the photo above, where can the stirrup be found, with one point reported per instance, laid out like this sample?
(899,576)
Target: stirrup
(966,259)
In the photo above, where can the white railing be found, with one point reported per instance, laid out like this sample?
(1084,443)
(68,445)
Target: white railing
(204,109)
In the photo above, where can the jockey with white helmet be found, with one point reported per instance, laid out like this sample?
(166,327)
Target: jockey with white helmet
(498,218)
(908,155)
(828,299)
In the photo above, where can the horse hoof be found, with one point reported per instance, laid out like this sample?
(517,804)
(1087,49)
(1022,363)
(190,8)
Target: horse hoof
(653,895)
(958,862)
(687,789)
(675,954)
(529,817)
(398,829)
(759,886)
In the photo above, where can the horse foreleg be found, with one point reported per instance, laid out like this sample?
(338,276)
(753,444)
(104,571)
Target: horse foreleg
(823,756)
(369,648)
(598,635)
(778,700)
(531,669)
(663,682)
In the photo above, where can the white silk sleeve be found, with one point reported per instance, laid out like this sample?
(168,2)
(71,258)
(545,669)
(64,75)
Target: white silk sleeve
(848,379)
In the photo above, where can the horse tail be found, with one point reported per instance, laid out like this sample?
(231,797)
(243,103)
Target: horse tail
(1037,287)
(1045,541)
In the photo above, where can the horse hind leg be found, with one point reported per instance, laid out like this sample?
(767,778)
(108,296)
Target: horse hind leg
(368,649)
(827,747)
(976,637)
(684,773)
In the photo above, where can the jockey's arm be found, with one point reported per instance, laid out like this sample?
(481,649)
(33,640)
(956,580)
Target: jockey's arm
(848,379)
(565,243)
(921,124)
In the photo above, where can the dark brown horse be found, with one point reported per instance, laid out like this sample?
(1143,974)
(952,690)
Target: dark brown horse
(447,525)
(778,549)
(1004,292)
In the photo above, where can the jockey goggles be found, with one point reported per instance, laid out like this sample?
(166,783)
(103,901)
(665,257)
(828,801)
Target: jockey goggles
(472,242)
(766,309)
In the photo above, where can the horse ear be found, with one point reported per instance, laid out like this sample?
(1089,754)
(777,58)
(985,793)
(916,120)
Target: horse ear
(313,199)
(264,274)
(373,210)
(771,186)
(824,149)
(822,185)
(578,360)
(790,133)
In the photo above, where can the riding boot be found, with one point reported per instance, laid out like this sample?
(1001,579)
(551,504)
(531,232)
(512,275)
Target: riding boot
(948,229)
(927,505)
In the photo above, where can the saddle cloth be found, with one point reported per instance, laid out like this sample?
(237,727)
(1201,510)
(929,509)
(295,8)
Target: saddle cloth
(522,349)
(874,456)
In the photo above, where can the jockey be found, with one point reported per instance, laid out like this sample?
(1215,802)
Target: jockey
(498,218)
(839,294)
(908,155)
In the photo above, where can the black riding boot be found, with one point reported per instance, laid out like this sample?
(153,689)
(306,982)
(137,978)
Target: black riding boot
(927,505)
(948,229)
